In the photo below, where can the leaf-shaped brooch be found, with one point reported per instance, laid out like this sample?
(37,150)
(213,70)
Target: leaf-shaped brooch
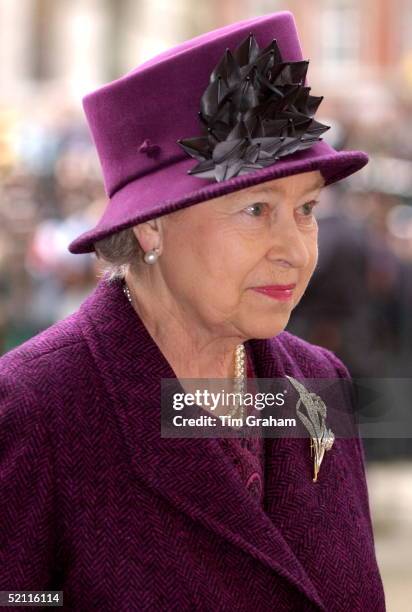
(322,438)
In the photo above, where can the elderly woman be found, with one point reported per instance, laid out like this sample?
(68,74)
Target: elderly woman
(205,263)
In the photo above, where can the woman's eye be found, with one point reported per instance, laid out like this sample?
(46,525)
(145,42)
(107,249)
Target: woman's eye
(308,208)
(255,210)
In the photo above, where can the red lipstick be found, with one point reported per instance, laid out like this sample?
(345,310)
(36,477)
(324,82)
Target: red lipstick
(277,292)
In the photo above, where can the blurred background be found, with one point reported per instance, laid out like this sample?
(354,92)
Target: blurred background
(359,302)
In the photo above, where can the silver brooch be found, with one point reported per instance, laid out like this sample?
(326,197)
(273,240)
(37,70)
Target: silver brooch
(321,438)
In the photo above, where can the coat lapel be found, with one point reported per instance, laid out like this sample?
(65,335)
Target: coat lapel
(193,474)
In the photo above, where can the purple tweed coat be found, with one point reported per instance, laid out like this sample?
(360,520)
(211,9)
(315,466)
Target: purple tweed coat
(95,503)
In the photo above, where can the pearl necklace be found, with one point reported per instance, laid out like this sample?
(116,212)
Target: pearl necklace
(239,379)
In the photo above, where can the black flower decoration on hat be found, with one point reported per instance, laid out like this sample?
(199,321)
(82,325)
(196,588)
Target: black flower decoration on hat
(254,111)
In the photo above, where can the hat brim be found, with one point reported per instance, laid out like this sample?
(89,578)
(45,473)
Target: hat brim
(170,188)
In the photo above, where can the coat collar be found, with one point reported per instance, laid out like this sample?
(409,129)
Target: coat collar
(193,474)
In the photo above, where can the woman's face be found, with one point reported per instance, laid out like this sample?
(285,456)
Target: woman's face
(215,255)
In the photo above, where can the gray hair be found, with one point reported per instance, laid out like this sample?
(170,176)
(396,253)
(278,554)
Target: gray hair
(119,252)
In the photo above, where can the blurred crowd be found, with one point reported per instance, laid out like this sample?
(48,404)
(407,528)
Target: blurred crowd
(359,300)
(51,190)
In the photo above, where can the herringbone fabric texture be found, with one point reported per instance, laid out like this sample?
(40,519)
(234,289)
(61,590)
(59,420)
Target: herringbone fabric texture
(94,502)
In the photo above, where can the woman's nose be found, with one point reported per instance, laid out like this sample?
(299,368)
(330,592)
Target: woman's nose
(289,246)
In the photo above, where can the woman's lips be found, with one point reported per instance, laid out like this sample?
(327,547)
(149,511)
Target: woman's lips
(277,292)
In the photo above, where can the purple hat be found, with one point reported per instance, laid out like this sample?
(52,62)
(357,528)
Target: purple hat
(220,112)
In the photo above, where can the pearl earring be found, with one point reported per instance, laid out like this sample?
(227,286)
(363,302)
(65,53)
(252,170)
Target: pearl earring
(151,256)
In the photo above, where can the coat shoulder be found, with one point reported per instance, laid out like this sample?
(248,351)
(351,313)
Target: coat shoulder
(64,334)
(312,359)
(41,362)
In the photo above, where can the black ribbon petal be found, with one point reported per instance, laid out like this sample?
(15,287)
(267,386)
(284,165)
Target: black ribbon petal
(254,111)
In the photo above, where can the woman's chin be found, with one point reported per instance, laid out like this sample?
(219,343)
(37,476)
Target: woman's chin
(265,326)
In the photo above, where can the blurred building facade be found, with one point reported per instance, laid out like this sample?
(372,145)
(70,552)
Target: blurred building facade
(361,48)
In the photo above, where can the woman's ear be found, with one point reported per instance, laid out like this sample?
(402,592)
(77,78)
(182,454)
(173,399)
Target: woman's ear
(149,234)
